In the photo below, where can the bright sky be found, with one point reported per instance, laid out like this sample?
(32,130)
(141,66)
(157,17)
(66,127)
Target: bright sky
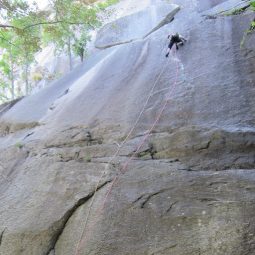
(41,3)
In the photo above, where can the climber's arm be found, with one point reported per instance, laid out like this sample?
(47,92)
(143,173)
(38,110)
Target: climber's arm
(183,38)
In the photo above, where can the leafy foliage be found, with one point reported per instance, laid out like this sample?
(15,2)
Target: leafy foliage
(74,20)
(104,5)
(27,29)
(252,25)
(252,4)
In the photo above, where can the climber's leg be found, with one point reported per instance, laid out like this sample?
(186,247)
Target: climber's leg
(169,48)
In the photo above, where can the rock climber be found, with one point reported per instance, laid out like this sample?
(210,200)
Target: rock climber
(176,39)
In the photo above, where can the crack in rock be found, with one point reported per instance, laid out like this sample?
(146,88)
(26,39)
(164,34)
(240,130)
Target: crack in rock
(168,19)
(148,197)
(52,252)
(217,183)
(189,169)
(139,198)
(171,206)
(81,142)
(29,134)
(207,199)
(63,221)
(115,44)
(64,93)
(1,236)
(164,249)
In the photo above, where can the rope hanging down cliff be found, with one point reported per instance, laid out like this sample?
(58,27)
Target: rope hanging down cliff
(124,168)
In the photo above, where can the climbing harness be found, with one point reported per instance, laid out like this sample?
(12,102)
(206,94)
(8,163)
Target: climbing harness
(124,168)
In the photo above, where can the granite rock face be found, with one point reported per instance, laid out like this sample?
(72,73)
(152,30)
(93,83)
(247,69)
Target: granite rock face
(193,112)
(136,26)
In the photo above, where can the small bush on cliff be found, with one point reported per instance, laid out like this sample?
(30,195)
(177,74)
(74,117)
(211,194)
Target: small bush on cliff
(252,27)
(19,145)
(88,158)
(253,5)
(236,11)
(104,5)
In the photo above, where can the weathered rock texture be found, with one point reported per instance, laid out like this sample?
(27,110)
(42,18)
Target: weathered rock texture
(196,197)
(136,26)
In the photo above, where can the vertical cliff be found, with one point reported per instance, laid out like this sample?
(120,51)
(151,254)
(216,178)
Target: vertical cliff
(99,126)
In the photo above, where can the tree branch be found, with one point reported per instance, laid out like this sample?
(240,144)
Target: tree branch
(45,23)
(52,23)
(7,26)
(3,38)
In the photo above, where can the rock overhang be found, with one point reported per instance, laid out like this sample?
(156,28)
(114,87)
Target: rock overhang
(136,26)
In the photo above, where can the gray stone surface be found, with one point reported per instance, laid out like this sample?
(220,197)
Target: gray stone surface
(166,209)
(196,197)
(136,26)
(227,6)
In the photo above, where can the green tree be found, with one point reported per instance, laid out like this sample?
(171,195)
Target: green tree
(80,44)
(8,59)
(18,40)
(69,28)
(66,25)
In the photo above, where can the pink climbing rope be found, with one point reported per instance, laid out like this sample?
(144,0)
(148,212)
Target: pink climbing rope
(118,150)
(124,168)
